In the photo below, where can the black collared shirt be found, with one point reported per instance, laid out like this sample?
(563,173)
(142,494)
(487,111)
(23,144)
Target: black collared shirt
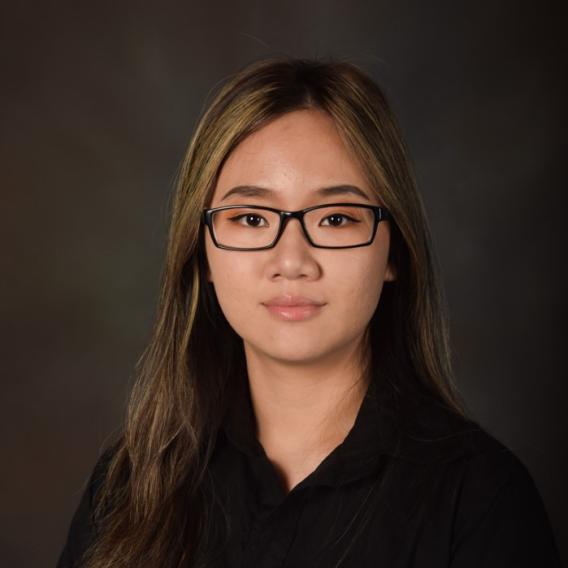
(416,488)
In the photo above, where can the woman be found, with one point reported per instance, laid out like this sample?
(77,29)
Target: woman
(295,406)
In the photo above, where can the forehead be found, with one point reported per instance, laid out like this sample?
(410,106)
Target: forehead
(294,155)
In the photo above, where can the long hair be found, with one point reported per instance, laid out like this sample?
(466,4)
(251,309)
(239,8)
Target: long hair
(155,503)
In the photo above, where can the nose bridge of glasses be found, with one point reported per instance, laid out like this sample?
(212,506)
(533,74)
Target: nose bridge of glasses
(285,219)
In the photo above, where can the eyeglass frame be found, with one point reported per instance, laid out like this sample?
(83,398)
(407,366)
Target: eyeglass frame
(381,214)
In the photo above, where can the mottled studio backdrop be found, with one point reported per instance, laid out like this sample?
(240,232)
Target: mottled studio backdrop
(98,101)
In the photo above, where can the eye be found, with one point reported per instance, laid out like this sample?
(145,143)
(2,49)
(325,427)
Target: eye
(336,219)
(251,218)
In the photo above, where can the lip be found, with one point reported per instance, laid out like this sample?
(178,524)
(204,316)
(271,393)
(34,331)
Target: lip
(291,301)
(293,308)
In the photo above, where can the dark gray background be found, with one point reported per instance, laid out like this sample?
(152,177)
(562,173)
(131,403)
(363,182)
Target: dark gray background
(99,100)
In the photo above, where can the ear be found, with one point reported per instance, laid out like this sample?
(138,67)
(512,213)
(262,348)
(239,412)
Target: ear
(205,264)
(390,273)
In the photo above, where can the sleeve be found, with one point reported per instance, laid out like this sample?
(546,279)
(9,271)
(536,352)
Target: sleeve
(82,530)
(504,527)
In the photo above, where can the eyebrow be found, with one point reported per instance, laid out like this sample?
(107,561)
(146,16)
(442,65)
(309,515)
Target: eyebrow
(264,192)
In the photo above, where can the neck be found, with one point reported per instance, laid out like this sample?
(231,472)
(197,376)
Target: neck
(304,411)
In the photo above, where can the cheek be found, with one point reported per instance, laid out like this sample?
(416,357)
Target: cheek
(225,266)
(232,279)
(357,289)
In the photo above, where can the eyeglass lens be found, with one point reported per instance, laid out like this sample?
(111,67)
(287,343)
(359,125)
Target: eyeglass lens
(334,226)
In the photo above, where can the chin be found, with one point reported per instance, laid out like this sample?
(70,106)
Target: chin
(292,351)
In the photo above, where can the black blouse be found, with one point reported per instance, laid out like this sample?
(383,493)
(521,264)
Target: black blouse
(422,488)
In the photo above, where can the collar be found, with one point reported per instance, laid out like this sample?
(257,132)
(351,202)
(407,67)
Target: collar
(422,431)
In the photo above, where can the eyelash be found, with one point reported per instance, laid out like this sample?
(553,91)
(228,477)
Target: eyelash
(239,217)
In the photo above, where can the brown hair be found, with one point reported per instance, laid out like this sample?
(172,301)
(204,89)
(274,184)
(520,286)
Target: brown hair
(154,506)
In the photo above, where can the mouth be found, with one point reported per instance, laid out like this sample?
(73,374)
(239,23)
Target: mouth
(294,313)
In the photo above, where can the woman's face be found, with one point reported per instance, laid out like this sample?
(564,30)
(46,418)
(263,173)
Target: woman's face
(293,157)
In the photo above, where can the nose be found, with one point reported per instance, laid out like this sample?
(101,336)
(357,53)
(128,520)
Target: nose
(292,256)
(298,230)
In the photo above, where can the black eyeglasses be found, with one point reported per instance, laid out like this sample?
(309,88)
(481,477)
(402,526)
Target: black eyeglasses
(333,225)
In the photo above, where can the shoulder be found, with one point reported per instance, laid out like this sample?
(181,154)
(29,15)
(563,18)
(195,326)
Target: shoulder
(492,479)
(433,433)
(98,475)
(82,527)
(100,469)
(471,460)
(495,513)
(498,510)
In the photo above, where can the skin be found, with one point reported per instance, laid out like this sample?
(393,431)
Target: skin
(304,376)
